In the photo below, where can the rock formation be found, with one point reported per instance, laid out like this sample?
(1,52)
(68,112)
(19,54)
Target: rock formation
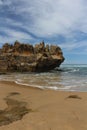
(28,58)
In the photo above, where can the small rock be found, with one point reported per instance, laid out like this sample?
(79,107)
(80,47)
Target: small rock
(74,96)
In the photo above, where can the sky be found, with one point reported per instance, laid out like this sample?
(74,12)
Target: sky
(58,22)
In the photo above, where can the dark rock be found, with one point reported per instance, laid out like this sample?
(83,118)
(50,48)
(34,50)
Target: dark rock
(39,48)
(74,96)
(25,57)
(25,49)
(47,48)
(55,50)
(6,47)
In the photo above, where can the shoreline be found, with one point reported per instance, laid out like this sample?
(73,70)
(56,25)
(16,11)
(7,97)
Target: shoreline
(50,109)
(38,87)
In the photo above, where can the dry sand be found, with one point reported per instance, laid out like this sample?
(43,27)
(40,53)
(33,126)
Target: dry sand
(26,108)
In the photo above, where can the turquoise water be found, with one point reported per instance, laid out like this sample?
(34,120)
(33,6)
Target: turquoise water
(66,78)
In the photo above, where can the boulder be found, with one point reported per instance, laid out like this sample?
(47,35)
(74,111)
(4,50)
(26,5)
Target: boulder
(28,58)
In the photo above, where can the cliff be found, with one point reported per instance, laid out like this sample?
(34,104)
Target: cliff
(29,58)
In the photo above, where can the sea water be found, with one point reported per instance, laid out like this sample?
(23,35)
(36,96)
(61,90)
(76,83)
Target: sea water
(69,77)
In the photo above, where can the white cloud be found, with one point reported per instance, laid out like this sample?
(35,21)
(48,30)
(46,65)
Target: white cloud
(1,2)
(5,2)
(17,34)
(75,47)
(13,35)
(47,18)
(52,17)
(4,39)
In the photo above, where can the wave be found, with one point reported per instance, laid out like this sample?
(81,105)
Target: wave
(66,69)
(65,78)
(63,87)
(72,70)
(35,86)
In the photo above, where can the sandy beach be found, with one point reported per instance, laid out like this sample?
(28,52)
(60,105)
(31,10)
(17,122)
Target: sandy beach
(26,108)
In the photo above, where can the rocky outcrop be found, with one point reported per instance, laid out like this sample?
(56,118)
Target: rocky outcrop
(28,58)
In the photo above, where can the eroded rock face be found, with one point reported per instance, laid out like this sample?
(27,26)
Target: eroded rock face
(28,58)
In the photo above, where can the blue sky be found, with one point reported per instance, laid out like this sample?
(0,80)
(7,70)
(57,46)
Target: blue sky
(59,22)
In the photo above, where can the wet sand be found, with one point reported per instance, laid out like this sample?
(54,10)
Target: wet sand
(27,108)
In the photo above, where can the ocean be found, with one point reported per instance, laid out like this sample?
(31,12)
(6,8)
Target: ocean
(69,77)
